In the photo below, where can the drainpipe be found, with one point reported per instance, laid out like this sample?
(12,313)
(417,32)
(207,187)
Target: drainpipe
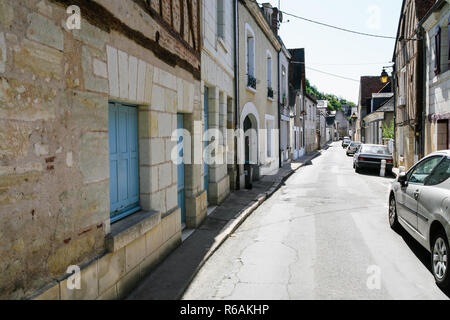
(236,85)
(424,89)
(280,163)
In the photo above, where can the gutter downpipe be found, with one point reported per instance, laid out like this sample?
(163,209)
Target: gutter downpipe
(236,88)
(279,113)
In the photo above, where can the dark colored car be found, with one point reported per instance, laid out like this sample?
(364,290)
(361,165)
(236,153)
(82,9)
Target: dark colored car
(370,156)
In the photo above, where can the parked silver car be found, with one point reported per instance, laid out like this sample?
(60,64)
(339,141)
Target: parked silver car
(353,146)
(419,201)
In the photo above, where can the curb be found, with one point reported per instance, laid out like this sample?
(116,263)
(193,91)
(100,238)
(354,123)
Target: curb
(233,225)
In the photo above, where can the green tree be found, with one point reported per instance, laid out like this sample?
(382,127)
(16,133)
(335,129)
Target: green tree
(334,103)
(388,130)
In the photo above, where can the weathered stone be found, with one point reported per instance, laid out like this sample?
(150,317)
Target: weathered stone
(110,294)
(90,81)
(153,240)
(100,68)
(40,60)
(50,292)
(91,35)
(148,179)
(14,137)
(89,285)
(149,263)
(94,156)
(128,282)
(70,253)
(164,124)
(45,9)
(26,102)
(113,71)
(134,253)
(94,205)
(6,14)
(123,75)
(158,98)
(165,175)
(172,197)
(111,268)
(87,110)
(3,53)
(148,84)
(45,31)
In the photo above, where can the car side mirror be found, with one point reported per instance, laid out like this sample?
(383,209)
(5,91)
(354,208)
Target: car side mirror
(402,179)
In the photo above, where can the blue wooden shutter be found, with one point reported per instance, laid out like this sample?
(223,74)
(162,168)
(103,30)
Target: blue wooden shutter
(124,164)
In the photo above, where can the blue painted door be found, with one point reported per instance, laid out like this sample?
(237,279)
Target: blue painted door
(123,160)
(180,148)
(206,142)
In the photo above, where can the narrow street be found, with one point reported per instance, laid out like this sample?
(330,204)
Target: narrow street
(324,235)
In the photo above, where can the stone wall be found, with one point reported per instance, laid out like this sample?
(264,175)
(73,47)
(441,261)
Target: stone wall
(55,85)
(218,77)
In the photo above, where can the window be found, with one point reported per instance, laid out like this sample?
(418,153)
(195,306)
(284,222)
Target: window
(221,19)
(269,75)
(423,170)
(283,85)
(440,174)
(250,47)
(269,132)
(448,42)
(442,135)
(437,51)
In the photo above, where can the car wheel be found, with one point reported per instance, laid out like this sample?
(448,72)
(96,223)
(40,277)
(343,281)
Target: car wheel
(439,251)
(357,170)
(393,220)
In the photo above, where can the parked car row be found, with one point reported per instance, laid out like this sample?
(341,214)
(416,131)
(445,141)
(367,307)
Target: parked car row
(419,200)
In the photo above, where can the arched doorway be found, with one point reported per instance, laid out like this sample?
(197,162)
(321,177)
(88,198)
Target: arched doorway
(250,140)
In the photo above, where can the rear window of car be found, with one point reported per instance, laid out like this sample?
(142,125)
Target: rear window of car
(376,150)
(440,174)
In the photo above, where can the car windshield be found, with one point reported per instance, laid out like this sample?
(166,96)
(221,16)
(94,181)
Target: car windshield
(347,141)
(354,144)
(383,150)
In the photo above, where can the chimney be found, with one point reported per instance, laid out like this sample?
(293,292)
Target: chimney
(271,14)
(275,21)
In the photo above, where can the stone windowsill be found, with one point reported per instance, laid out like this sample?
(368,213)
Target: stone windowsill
(270,99)
(131,228)
(251,89)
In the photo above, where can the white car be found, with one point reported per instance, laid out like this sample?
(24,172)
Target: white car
(419,201)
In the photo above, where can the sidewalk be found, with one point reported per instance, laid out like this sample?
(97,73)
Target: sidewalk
(171,278)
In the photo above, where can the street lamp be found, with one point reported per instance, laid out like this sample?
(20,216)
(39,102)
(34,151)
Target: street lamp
(384,76)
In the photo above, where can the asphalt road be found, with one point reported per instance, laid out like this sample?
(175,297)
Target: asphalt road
(324,235)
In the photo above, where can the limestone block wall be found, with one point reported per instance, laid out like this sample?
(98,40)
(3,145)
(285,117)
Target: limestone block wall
(218,77)
(55,85)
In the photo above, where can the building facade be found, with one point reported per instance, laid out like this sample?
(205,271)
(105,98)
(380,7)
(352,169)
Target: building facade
(297,89)
(310,120)
(218,95)
(409,69)
(258,96)
(436,26)
(87,177)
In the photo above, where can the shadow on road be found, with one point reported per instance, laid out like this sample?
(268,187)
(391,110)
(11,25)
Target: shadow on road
(420,252)
(376,173)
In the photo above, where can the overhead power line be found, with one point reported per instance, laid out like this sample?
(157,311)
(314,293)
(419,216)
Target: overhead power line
(341,29)
(332,74)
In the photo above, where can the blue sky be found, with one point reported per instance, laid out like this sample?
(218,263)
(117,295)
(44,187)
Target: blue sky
(330,50)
